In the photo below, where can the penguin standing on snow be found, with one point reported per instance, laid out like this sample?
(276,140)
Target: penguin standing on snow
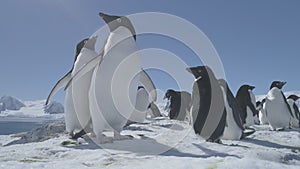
(295,110)
(208,115)
(179,104)
(234,128)
(261,112)
(81,88)
(85,50)
(244,97)
(277,109)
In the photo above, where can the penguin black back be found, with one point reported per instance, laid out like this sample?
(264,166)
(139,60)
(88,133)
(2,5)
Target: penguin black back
(233,104)
(208,112)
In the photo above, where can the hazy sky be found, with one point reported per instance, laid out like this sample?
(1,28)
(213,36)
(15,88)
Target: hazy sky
(257,41)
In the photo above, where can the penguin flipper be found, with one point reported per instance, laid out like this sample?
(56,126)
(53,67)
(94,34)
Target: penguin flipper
(61,83)
(297,113)
(148,84)
(288,106)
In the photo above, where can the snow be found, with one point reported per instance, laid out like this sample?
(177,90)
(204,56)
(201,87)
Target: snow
(158,143)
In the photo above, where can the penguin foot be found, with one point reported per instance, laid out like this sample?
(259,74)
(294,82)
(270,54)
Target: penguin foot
(71,135)
(79,134)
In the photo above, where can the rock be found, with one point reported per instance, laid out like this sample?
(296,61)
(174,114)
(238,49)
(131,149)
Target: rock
(11,103)
(45,132)
(54,108)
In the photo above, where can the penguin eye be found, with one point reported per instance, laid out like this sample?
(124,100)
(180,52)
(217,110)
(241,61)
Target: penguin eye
(119,20)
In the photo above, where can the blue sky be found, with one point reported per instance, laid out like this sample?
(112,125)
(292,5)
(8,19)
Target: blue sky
(257,41)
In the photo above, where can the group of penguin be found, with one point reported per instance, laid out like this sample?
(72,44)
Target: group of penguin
(108,90)
(216,113)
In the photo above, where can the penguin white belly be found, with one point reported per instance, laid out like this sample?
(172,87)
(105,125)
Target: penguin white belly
(80,87)
(114,84)
(249,118)
(262,116)
(276,109)
(142,102)
(71,120)
(232,131)
(294,120)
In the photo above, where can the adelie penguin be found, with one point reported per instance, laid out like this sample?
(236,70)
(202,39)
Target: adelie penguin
(261,112)
(116,74)
(277,109)
(245,99)
(234,129)
(179,104)
(295,122)
(85,50)
(208,115)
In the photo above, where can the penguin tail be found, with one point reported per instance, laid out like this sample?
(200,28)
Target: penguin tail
(247,132)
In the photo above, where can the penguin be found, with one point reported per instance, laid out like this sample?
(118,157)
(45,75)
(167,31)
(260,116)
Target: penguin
(255,113)
(81,87)
(208,115)
(179,104)
(295,110)
(261,111)
(114,82)
(72,122)
(247,105)
(234,127)
(141,106)
(276,107)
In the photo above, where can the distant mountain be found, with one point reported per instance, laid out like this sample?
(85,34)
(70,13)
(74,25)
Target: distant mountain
(11,103)
(54,108)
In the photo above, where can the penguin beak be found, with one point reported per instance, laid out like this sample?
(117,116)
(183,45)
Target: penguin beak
(252,87)
(189,70)
(106,17)
(102,15)
(283,83)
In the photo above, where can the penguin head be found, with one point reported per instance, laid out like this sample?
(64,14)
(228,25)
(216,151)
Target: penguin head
(201,72)
(115,22)
(258,103)
(247,87)
(169,94)
(277,84)
(294,97)
(79,46)
(90,43)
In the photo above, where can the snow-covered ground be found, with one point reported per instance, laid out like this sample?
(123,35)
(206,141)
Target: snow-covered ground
(158,143)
